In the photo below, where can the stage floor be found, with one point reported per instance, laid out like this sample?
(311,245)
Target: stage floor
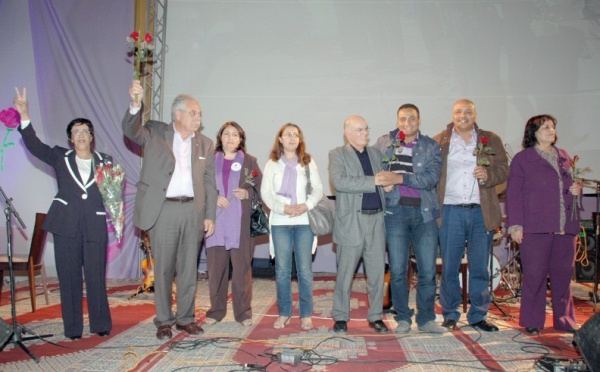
(226,346)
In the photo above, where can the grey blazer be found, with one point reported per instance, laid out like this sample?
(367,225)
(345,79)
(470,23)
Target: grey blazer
(349,181)
(158,167)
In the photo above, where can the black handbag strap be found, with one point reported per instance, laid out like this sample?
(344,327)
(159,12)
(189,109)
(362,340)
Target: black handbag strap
(256,196)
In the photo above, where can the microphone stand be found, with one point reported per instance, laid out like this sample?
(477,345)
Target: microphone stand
(491,279)
(17,329)
(594,294)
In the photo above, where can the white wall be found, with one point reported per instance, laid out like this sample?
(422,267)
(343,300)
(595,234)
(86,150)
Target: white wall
(265,63)
(314,63)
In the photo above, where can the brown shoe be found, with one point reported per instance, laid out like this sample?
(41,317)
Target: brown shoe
(191,328)
(164,332)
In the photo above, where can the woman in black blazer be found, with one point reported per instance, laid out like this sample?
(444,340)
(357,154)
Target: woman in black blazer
(77,219)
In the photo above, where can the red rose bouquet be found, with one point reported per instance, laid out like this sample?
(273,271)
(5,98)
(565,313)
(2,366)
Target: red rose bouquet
(141,50)
(110,183)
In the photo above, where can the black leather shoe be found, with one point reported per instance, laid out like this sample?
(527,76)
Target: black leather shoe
(340,326)
(75,338)
(485,326)
(532,331)
(104,334)
(379,326)
(450,324)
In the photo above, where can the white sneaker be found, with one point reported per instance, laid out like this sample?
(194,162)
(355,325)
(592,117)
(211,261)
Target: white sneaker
(402,327)
(432,327)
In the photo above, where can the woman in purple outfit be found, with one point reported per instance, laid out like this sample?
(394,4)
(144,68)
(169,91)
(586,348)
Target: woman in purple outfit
(235,174)
(540,200)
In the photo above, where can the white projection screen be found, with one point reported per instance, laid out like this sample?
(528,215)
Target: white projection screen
(314,63)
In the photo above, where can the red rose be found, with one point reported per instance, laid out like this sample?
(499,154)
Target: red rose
(135,35)
(576,158)
(148,38)
(402,136)
(254,173)
(10,117)
(484,140)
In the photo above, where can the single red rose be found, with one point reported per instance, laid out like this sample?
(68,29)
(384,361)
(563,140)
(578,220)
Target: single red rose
(401,136)
(576,158)
(135,35)
(254,173)
(484,140)
(10,117)
(148,38)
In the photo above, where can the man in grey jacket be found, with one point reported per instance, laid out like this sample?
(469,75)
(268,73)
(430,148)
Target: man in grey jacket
(415,162)
(359,229)
(176,201)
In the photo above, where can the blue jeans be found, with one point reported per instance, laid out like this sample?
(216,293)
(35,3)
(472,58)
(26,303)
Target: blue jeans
(403,226)
(464,227)
(297,239)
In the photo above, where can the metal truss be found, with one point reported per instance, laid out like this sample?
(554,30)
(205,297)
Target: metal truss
(156,23)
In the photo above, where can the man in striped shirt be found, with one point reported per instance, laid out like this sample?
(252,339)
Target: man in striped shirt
(413,167)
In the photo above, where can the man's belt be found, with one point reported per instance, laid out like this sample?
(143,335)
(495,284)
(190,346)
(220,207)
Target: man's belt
(469,206)
(371,211)
(180,199)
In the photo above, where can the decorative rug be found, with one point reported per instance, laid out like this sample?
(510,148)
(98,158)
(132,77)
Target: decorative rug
(227,345)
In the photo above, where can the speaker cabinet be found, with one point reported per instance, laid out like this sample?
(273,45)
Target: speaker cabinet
(588,343)
(587,273)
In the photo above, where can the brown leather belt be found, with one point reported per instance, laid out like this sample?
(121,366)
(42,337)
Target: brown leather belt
(180,199)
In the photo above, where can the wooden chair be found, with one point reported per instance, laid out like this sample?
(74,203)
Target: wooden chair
(464,265)
(33,263)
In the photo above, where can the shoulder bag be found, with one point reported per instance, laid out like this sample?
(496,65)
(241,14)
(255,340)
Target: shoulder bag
(320,218)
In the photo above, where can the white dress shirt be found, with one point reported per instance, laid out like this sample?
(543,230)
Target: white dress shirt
(461,185)
(181,182)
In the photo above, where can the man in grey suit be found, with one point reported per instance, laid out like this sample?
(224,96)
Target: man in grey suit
(359,229)
(175,201)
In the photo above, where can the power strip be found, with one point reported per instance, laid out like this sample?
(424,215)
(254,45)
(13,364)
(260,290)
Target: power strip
(562,365)
(290,356)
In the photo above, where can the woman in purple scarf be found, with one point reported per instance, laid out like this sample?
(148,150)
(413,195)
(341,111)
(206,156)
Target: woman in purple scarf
(236,173)
(284,192)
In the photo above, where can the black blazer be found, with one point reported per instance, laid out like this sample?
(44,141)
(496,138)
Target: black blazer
(76,205)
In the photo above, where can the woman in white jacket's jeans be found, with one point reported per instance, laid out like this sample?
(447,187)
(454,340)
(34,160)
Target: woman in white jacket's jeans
(284,191)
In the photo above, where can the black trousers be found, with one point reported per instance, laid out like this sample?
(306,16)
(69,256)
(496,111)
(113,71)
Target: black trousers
(75,258)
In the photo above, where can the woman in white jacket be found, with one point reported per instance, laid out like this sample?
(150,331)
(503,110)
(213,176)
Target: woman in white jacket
(283,190)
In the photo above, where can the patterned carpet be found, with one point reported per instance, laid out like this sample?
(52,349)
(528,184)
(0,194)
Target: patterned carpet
(228,346)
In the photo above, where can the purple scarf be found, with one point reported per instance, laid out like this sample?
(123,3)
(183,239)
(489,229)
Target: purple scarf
(228,223)
(288,183)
